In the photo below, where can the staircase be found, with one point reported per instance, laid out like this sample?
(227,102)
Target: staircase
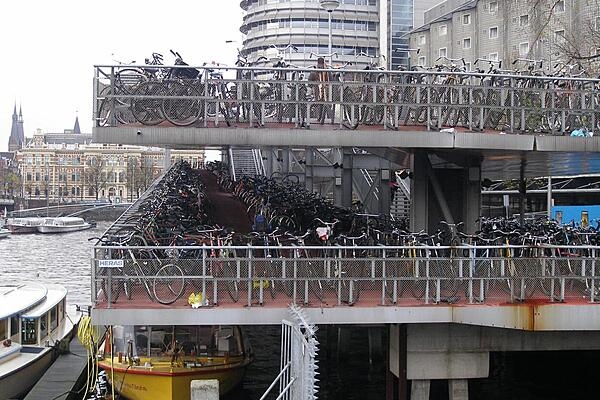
(245,162)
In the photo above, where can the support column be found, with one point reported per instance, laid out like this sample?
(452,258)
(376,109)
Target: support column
(458,389)
(308,169)
(385,199)
(167,159)
(347,184)
(522,193)
(472,199)
(285,169)
(397,362)
(343,341)
(420,389)
(420,192)
(375,343)
(267,163)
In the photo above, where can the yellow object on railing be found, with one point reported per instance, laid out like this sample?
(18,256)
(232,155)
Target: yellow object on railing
(197,300)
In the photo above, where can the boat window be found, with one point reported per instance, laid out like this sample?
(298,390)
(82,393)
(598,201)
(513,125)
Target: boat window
(53,317)
(61,310)
(14,325)
(3,328)
(141,340)
(44,326)
(29,331)
(161,337)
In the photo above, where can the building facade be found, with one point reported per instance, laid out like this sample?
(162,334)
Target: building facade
(72,172)
(401,17)
(272,27)
(363,31)
(551,31)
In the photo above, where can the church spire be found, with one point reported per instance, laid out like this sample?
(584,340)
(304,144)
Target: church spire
(76,128)
(13,140)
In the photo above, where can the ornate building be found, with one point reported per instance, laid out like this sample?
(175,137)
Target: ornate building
(69,171)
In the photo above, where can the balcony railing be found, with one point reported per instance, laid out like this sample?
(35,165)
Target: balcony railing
(350,99)
(337,275)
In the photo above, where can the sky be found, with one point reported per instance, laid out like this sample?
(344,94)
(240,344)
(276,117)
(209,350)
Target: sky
(51,47)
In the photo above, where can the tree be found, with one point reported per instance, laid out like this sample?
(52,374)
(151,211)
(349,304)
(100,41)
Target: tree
(9,182)
(95,176)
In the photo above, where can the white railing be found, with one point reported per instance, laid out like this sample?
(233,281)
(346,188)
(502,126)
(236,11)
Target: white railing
(344,275)
(229,96)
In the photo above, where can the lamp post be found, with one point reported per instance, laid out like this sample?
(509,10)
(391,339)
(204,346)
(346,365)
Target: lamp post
(329,6)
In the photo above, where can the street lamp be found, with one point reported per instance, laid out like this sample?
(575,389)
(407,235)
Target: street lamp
(329,6)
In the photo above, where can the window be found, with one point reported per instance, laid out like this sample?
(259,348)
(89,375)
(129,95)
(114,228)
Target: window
(443,52)
(422,40)
(466,18)
(494,32)
(422,61)
(493,57)
(524,20)
(559,6)
(467,66)
(559,35)
(493,7)
(523,49)
(466,43)
(443,30)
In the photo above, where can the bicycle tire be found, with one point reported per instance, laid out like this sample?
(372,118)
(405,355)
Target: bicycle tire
(149,110)
(168,285)
(181,112)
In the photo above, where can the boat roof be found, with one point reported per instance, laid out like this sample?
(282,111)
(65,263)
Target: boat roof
(69,219)
(18,298)
(56,293)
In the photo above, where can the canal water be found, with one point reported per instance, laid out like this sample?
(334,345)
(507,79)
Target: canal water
(345,374)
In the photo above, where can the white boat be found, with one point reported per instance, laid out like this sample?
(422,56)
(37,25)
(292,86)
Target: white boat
(33,324)
(23,224)
(4,233)
(63,224)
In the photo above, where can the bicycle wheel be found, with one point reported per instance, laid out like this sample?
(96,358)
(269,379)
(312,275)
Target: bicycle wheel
(230,271)
(111,292)
(148,110)
(178,111)
(168,285)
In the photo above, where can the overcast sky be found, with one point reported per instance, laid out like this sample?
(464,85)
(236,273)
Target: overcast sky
(49,49)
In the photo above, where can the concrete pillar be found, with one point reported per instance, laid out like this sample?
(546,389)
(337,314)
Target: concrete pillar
(375,343)
(286,160)
(167,159)
(308,169)
(204,389)
(419,192)
(420,389)
(266,161)
(347,184)
(397,362)
(385,192)
(343,341)
(458,389)
(471,199)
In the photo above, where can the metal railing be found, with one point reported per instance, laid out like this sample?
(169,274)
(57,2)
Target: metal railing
(350,98)
(342,275)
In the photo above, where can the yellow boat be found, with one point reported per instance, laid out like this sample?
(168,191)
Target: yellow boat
(160,362)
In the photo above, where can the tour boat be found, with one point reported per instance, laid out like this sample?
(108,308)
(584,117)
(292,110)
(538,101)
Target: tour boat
(159,362)
(34,326)
(62,225)
(4,233)
(23,224)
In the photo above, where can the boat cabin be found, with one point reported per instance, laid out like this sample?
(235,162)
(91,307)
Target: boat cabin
(156,341)
(33,316)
